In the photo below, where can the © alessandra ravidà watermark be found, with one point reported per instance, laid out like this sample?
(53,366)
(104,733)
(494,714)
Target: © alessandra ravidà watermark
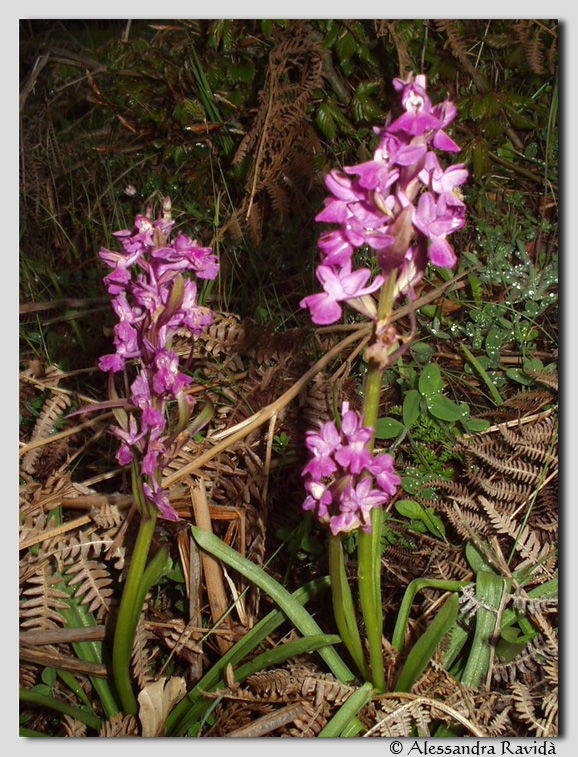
(501,747)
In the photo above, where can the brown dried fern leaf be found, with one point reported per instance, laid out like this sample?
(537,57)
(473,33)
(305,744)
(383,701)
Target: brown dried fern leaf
(50,414)
(178,638)
(73,728)
(119,725)
(526,539)
(527,708)
(397,718)
(535,53)
(143,653)
(94,585)
(547,378)
(42,600)
(527,665)
(281,141)
(388,28)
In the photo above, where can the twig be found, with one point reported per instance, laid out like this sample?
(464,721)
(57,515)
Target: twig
(268,723)
(31,81)
(243,429)
(63,434)
(70,526)
(62,636)
(258,419)
(54,660)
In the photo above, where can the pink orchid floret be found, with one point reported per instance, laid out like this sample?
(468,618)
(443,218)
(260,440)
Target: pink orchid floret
(356,504)
(323,445)
(340,285)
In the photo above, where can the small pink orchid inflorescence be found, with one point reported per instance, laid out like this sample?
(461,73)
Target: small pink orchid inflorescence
(153,300)
(401,204)
(336,478)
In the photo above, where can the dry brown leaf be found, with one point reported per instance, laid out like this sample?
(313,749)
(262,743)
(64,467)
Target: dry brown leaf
(156,701)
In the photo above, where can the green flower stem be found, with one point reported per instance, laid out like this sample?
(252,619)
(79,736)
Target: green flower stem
(368,549)
(371,613)
(343,608)
(129,610)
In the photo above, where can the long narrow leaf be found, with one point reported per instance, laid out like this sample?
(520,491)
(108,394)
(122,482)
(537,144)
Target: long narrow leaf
(303,621)
(422,651)
(348,711)
(41,700)
(77,616)
(417,585)
(489,590)
(283,652)
(194,705)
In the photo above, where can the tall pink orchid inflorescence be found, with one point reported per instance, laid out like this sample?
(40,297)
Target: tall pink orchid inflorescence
(153,300)
(402,205)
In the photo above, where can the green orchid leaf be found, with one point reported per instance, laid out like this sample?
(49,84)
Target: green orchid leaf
(422,651)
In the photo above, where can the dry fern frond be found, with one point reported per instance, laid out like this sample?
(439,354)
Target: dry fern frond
(50,414)
(535,53)
(396,718)
(388,28)
(143,653)
(94,584)
(73,727)
(40,609)
(281,141)
(545,377)
(108,517)
(526,665)
(118,726)
(526,539)
(527,707)
(178,638)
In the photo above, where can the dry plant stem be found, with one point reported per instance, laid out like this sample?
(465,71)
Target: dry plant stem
(211,567)
(267,412)
(58,531)
(63,662)
(269,723)
(62,635)
(64,434)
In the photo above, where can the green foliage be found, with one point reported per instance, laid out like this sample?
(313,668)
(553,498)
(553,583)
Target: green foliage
(426,403)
